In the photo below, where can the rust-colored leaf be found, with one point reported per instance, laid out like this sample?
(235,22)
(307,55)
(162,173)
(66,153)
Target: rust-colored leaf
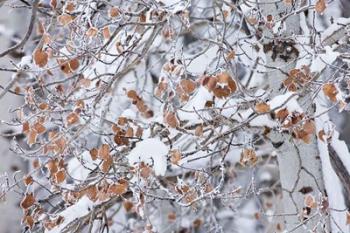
(103,152)
(40,57)
(320,6)
(60,176)
(129,132)
(225,78)
(118,189)
(282,114)
(330,91)
(122,121)
(114,12)
(106,164)
(199,131)
(321,135)
(72,118)
(262,107)
(248,157)
(347,217)
(309,127)
(187,85)
(128,205)
(93,153)
(231,55)
(28,180)
(25,127)
(171,119)
(65,19)
(91,192)
(175,156)
(27,201)
(92,32)
(31,138)
(310,201)
(106,33)
(171,216)
(39,128)
(29,221)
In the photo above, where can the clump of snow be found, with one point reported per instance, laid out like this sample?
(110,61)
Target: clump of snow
(151,151)
(79,169)
(286,100)
(81,208)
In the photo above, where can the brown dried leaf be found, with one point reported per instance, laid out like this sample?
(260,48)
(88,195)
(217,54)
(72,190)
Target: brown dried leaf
(171,216)
(43,106)
(282,114)
(262,107)
(106,164)
(31,138)
(106,33)
(122,121)
(171,119)
(25,127)
(92,32)
(348,218)
(29,221)
(248,157)
(39,128)
(139,132)
(188,85)
(60,176)
(91,192)
(320,6)
(309,127)
(72,118)
(175,156)
(129,132)
(330,91)
(225,78)
(103,152)
(70,7)
(64,19)
(52,166)
(53,4)
(93,153)
(118,188)
(231,55)
(40,57)
(310,201)
(74,64)
(27,201)
(127,205)
(114,12)
(321,135)
(28,180)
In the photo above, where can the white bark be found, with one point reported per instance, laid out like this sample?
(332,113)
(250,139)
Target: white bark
(299,163)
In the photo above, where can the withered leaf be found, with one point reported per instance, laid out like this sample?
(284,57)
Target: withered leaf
(40,57)
(27,201)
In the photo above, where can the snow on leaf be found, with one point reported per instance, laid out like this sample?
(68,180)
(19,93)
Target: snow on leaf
(81,208)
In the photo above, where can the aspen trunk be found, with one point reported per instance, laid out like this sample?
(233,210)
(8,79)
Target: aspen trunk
(299,163)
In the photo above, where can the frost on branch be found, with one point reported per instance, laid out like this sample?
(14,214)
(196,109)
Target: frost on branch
(181,116)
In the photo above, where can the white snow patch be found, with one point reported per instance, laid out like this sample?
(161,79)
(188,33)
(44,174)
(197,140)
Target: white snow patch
(151,151)
(79,169)
(284,101)
(81,208)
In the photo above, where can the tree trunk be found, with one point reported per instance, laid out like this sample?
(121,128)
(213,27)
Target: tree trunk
(299,163)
